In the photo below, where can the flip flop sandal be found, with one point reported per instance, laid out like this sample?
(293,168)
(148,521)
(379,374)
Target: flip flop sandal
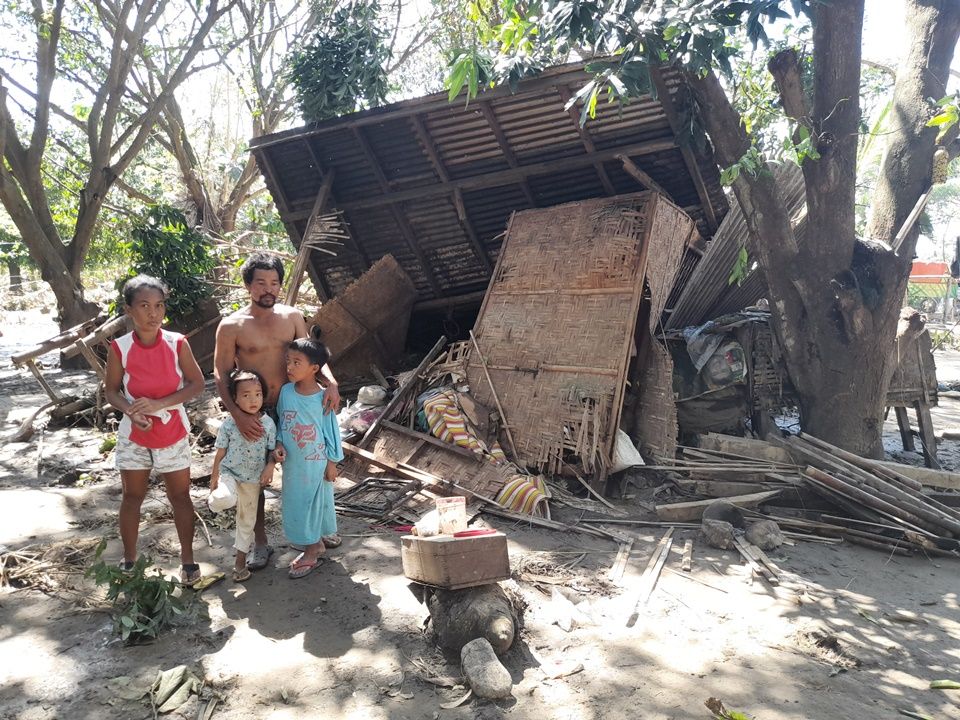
(332,541)
(126,565)
(259,557)
(241,575)
(190,574)
(300,568)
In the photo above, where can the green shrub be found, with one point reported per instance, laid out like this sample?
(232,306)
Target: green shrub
(163,245)
(144,603)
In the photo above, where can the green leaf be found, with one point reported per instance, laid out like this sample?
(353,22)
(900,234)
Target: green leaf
(944,685)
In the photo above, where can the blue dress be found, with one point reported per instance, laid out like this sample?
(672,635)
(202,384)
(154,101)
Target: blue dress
(310,438)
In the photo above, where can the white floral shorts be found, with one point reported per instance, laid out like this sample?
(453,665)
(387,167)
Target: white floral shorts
(130,456)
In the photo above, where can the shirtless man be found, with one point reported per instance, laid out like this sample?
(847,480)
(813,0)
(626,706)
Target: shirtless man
(256,338)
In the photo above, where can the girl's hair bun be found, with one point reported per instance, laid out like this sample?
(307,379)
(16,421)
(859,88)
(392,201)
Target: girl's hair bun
(315,332)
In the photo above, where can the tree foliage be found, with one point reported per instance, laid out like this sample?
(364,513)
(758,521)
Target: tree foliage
(163,245)
(342,68)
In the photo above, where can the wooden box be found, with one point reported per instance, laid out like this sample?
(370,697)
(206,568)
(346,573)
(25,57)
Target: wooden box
(454,563)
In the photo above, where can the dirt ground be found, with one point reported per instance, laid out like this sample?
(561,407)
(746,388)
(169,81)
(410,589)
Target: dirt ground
(850,632)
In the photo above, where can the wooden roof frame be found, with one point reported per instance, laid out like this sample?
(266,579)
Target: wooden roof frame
(434,182)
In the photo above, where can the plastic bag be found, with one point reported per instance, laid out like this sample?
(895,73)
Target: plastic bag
(225,496)
(373,395)
(625,453)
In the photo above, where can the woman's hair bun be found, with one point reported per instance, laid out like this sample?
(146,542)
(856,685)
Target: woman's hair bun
(315,332)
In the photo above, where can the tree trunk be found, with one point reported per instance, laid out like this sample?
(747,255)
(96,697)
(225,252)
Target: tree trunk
(934,27)
(836,300)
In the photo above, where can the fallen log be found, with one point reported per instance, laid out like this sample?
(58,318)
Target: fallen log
(693,510)
(67,337)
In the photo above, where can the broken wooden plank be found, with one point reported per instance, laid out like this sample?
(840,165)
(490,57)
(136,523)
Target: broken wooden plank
(436,442)
(648,581)
(620,563)
(104,332)
(693,510)
(745,447)
(942,479)
(746,550)
(402,392)
(687,561)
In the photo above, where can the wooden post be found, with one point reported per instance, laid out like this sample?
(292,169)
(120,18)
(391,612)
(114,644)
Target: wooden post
(927,437)
(906,433)
(40,379)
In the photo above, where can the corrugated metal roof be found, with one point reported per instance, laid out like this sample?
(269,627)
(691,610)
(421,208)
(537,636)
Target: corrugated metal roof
(706,291)
(434,183)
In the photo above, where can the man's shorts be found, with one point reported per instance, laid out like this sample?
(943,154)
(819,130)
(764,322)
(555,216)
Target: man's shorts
(130,456)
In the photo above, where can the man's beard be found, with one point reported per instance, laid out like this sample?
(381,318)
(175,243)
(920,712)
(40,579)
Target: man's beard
(266,301)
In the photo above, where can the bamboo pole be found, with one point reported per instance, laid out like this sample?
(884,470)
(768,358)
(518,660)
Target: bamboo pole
(910,499)
(878,501)
(496,399)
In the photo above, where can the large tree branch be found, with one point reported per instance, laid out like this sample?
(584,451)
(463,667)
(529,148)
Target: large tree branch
(785,68)
(831,179)
(47,45)
(57,110)
(771,234)
(905,175)
(102,178)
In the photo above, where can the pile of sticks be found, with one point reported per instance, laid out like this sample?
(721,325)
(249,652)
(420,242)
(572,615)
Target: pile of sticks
(886,509)
(842,496)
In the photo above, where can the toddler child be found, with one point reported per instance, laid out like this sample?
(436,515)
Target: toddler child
(249,464)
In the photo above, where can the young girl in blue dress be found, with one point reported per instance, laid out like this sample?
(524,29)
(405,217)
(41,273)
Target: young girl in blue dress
(308,441)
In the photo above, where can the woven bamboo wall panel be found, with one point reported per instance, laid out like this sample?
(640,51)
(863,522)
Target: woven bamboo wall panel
(558,320)
(671,232)
(575,247)
(657,411)
(367,323)
(530,331)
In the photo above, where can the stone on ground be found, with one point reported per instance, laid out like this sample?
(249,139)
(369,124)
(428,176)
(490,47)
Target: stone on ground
(486,674)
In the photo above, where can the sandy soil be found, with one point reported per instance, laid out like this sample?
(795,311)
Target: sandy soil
(831,641)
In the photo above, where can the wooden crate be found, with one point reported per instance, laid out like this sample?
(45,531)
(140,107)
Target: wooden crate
(454,563)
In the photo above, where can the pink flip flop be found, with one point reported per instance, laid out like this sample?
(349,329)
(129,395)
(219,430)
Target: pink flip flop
(300,568)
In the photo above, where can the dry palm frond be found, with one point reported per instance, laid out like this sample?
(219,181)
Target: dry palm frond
(47,568)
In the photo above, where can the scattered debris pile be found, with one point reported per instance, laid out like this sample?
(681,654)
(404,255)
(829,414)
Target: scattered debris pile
(49,568)
(811,487)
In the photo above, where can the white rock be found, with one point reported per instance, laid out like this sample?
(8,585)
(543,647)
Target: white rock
(486,674)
